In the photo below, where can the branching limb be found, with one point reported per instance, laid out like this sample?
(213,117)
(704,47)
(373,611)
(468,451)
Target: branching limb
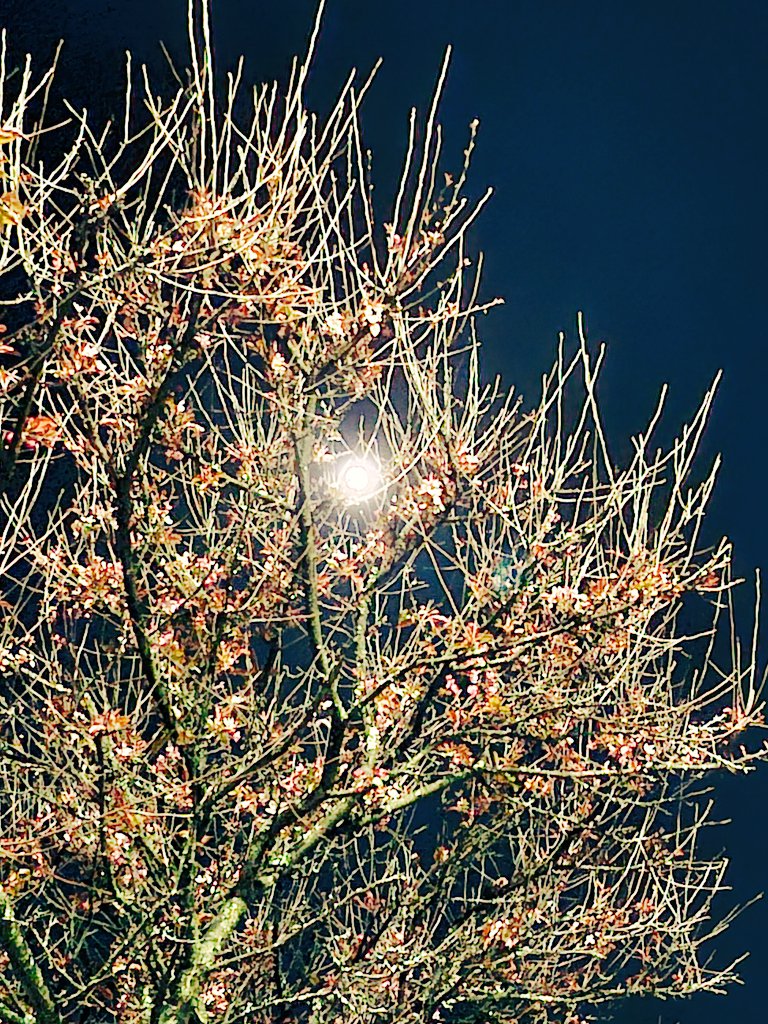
(26,970)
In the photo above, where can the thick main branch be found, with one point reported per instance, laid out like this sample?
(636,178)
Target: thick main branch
(25,968)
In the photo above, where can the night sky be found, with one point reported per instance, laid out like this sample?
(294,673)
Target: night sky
(626,144)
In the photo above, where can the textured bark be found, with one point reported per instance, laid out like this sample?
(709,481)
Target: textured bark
(203,961)
(25,969)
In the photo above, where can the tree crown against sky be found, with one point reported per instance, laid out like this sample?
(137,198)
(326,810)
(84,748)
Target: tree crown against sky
(335,686)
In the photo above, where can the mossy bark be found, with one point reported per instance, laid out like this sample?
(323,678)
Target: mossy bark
(26,971)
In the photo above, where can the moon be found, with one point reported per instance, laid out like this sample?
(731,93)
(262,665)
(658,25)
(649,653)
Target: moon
(359,479)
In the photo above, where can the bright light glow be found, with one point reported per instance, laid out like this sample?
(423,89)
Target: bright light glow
(359,479)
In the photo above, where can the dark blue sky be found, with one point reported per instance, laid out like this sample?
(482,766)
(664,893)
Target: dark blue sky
(627,146)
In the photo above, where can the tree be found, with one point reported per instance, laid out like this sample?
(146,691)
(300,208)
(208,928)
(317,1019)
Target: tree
(333,685)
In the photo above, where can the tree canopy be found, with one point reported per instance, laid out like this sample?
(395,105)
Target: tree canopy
(335,683)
